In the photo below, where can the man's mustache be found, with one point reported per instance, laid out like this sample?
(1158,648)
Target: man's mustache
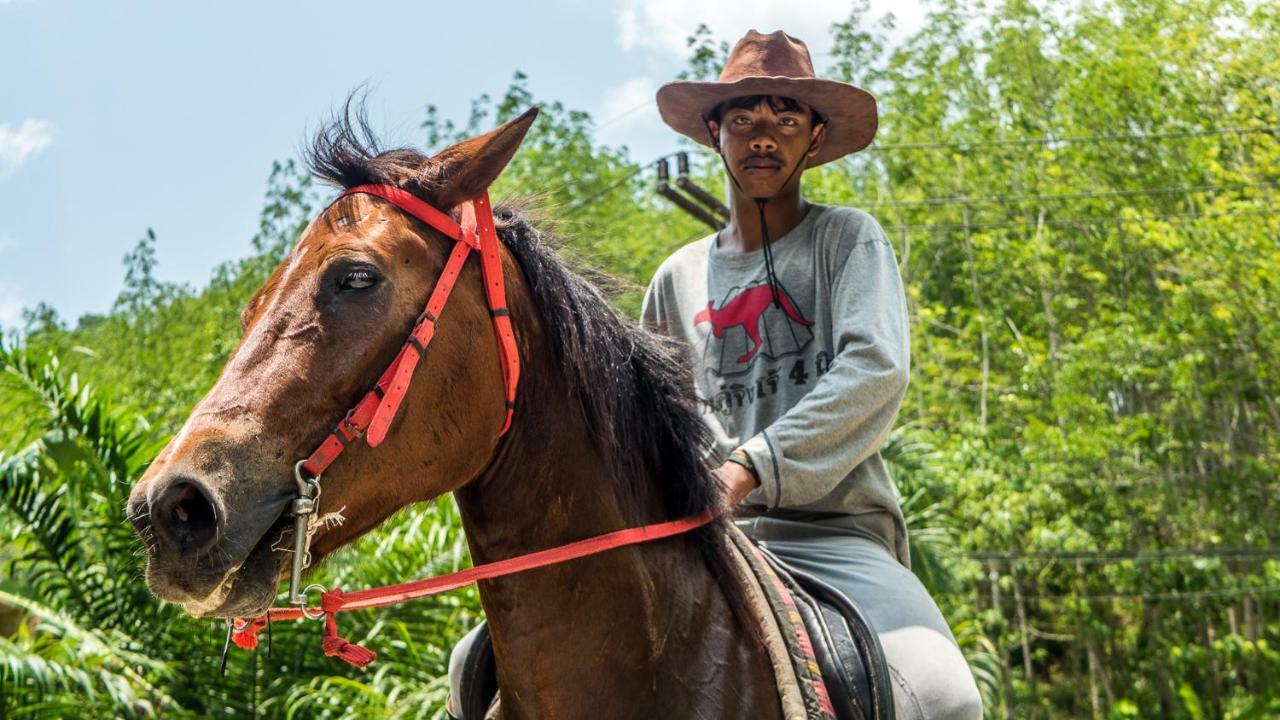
(759,159)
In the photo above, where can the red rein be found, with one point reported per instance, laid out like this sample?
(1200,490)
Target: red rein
(336,601)
(375,411)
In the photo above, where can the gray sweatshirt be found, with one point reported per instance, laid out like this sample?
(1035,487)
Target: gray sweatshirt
(808,387)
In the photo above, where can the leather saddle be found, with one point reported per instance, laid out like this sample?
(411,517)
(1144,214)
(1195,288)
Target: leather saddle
(845,645)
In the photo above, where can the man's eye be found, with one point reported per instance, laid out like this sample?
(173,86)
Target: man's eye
(359,280)
(787,121)
(741,120)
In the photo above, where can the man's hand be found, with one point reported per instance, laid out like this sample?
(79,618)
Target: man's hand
(737,482)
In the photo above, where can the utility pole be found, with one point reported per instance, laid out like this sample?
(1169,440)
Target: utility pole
(699,203)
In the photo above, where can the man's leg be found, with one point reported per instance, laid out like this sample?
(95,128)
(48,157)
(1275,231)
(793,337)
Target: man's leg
(931,680)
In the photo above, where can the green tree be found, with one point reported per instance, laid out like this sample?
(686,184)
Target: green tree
(1082,198)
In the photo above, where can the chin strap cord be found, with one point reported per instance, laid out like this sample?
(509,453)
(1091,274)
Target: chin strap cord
(245,632)
(769,273)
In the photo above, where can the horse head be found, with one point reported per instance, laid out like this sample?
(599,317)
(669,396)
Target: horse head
(213,508)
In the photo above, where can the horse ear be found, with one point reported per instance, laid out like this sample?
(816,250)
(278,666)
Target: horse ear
(466,169)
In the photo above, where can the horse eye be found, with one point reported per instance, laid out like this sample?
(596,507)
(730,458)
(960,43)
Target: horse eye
(359,280)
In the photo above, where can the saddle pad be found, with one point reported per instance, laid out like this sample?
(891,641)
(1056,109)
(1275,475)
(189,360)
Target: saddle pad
(801,689)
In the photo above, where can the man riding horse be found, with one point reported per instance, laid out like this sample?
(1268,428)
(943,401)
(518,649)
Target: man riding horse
(800,415)
(796,328)
(554,475)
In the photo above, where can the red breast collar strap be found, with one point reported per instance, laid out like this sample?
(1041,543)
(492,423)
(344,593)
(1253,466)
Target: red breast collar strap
(375,411)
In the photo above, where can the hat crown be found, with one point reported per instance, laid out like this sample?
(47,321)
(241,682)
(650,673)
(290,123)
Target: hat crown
(774,55)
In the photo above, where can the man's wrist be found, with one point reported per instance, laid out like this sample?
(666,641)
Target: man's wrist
(741,458)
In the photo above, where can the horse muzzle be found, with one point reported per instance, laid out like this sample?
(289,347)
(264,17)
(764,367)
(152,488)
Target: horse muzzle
(205,553)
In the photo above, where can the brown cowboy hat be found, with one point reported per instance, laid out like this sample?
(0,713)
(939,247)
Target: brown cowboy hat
(774,64)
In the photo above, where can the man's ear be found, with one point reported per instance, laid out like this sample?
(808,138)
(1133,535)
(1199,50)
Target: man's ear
(816,137)
(713,132)
(465,170)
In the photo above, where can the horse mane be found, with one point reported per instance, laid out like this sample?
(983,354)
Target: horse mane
(634,388)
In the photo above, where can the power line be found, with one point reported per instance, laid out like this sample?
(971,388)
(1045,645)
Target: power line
(1006,199)
(1207,132)
(625,113)
(1171,595)
(1108,556)
(927,227)
(574,206)
(996,199)
(1101,138)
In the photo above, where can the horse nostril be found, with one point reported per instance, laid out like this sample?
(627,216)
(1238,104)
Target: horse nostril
(186,516)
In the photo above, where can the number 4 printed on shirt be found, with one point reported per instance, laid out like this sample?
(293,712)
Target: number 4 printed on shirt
(797,374)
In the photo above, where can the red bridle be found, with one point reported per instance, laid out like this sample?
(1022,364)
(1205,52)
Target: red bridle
(372,415)
(376,410)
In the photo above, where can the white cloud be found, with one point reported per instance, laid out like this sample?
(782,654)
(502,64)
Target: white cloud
(18,146)
(664,25)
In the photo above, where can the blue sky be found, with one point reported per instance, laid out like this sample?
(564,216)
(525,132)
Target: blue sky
(120,116)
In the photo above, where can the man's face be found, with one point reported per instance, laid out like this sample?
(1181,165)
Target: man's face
(762,145)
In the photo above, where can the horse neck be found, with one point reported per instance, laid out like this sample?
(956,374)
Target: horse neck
(654,610)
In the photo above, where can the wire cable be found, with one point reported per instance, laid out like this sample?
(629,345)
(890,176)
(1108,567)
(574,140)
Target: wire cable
(1009,199)
(1113,219)
(1112,556)
(1081,139)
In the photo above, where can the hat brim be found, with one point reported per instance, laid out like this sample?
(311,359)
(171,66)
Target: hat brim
(850,111)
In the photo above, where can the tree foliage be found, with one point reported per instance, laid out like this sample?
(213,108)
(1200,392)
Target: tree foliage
(1083,201)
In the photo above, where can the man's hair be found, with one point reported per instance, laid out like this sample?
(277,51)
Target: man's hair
(778,103)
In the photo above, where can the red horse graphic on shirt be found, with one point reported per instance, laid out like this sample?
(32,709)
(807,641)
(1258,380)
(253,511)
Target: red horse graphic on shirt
(746,309)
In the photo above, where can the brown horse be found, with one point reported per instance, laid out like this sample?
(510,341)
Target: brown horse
(605,436)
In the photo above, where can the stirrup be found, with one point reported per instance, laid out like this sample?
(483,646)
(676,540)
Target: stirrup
(478,683)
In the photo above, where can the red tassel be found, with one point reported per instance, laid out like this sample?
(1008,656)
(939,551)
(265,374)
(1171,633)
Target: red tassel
(246,638)
(336,646)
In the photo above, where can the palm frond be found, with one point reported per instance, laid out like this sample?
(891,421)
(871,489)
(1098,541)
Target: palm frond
(66,491)
(984,660)
(54,658)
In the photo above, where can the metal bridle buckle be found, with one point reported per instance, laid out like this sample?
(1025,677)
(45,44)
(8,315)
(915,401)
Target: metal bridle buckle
(307,610)
(304,508)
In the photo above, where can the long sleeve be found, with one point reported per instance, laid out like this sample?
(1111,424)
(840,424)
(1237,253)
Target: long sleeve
(847,416)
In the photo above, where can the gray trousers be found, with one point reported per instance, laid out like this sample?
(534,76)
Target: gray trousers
(931,680)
